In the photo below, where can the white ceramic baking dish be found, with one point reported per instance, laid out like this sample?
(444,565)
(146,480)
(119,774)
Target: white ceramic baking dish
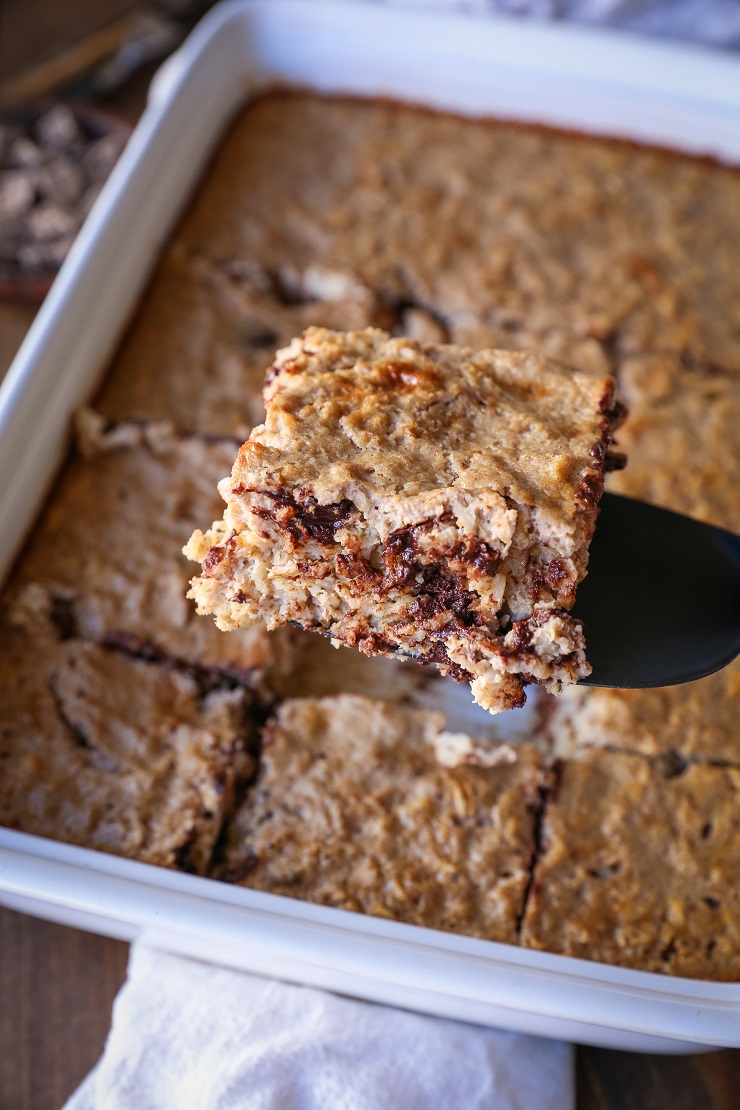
(581,79)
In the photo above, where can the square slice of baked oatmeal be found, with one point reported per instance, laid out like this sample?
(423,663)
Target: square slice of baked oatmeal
(105,560)
(419,500)
(376,809)
(639,866)
(118,754)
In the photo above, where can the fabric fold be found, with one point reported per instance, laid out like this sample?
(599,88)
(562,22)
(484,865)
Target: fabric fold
(190,1036)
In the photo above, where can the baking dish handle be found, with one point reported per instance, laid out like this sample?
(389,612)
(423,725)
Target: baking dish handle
(165,79)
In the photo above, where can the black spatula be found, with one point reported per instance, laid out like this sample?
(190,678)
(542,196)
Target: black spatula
(661,602)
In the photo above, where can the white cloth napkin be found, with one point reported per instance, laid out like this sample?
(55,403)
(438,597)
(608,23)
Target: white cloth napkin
(188,1036)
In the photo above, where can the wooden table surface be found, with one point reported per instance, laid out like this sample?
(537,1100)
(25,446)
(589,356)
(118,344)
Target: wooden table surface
(57,985)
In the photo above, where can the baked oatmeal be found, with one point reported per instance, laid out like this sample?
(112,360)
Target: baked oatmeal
(682,437)
(684,449)
(105,556)
(371,808)
(697,721)
(639,866)
(417,499)
(197,351)
(613,258)
(514,227)
(115,753)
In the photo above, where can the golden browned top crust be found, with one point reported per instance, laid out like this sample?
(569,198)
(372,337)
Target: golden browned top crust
(115,753)
(353,808)
(516,227)
(640,867)
(371,418)
(106,553)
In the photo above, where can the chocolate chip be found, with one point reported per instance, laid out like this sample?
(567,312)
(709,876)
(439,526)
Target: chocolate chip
(58,128)
(51,171)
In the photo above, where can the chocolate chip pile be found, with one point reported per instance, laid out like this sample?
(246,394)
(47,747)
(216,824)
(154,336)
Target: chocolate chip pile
(51,170)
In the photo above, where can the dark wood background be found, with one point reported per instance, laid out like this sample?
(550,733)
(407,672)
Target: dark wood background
(57,985)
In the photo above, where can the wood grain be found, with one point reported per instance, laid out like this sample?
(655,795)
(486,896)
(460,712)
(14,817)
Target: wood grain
(15,320)
(607,1080)
(57,987)
(33,31)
